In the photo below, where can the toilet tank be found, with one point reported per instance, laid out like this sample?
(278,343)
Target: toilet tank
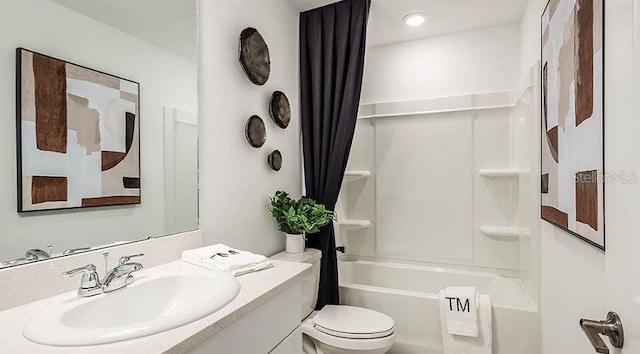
(311,282)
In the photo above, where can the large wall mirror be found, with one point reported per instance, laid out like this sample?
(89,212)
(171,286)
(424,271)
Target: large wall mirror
(149,42)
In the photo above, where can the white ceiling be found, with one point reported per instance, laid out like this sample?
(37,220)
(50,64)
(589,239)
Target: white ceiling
(443,16)
(172,24)
(304,5)
(169,24)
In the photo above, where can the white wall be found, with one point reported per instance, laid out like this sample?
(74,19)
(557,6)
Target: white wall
(572,272)
(479,61)
(438,190)
(235,179)
(180,170)
(165,79)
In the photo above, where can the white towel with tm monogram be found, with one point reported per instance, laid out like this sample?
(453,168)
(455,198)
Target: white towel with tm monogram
(465,318)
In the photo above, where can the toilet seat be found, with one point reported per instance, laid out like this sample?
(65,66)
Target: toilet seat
(355,335)
(353,322)
(346,340)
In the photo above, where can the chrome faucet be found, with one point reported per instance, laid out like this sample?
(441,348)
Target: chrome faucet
(30,256)
(118,278)
(36,255)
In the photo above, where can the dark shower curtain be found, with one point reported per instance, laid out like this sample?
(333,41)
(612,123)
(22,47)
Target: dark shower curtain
(332,49)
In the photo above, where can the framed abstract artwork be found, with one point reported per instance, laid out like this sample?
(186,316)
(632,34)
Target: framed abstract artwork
(572,98)
(78,136)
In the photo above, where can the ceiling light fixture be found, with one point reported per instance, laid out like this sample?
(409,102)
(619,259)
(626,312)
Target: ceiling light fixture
(414,19)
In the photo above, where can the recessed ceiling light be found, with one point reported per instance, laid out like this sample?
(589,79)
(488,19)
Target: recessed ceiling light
(414,19)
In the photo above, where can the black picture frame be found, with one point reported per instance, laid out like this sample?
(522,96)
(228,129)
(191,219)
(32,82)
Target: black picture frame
(130,182)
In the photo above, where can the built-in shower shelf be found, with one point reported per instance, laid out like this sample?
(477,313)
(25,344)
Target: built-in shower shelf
(352,176)
(417,108)
(501,172)
(352,224)
(505,233)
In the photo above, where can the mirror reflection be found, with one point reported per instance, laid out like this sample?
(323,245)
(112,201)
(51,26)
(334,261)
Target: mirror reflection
(111,39)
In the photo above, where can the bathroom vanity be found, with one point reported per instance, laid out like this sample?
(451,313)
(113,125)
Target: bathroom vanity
(267,306)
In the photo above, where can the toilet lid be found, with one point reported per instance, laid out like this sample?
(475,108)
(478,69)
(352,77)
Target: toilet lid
(353,322)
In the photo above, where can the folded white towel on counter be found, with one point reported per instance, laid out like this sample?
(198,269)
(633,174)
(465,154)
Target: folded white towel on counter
(461,311)
(226,259)
(482,343)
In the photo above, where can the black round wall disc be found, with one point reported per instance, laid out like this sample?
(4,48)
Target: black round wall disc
(275,160)
(280,109)
(256,132)
(254,56)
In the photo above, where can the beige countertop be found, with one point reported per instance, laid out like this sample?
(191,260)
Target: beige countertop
(256,289)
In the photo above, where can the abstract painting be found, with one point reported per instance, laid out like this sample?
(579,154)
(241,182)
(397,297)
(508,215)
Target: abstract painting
(572,146)
(78,138)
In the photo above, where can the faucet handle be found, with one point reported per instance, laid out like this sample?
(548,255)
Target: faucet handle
(90,284)
(126,259)
(89,268)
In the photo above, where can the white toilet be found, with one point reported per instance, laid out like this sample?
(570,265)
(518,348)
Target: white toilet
(338,329)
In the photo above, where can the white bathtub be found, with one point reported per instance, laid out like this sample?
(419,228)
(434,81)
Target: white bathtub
(408,293)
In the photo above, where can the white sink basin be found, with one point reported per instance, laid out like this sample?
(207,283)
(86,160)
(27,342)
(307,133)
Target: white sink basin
(161,299)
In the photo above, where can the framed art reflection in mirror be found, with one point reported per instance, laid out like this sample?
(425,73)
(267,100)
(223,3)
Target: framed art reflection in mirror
(78,136)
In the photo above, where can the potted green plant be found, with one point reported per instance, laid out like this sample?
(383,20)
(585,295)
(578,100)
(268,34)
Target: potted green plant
(298,217)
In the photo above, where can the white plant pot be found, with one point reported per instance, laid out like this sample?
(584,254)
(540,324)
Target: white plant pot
(295,243)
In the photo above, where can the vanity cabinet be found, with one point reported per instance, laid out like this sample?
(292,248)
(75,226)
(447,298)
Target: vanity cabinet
(273,327)
(291,344)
